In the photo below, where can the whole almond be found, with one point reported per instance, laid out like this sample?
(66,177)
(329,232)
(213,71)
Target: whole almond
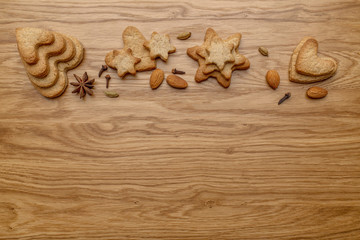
(316,92)
(184,35)
(156,78)
(176,82)
(273,78)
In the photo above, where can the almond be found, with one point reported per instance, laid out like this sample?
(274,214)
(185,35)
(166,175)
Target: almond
(176,82)
(273,79)
(316,92)
(156,78)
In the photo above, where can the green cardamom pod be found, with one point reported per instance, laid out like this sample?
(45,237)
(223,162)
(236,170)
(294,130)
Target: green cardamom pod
(263,51)
(184,35)
(111,94)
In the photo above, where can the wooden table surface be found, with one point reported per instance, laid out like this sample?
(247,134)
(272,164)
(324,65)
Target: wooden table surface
(200,163)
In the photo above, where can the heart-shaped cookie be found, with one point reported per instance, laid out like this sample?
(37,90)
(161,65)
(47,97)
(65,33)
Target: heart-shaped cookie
(308,62)
(306,67)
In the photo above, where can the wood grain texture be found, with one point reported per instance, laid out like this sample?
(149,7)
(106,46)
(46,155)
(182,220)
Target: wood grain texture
(200,163)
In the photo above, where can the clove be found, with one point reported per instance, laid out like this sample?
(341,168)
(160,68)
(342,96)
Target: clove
(103,68)
(175,71)
(287,95)
(107,77)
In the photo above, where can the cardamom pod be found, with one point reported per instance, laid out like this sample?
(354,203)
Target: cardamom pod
(111,94)
(184,35)
(263,51)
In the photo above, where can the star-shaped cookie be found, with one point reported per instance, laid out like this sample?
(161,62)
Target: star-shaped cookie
(239,59)
(230,63)
(200,76)
(217,51)
(228,67)
(159,46)
(123,61)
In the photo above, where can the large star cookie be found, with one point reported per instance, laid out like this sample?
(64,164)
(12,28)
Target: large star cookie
(200,76)
(207,69)
(159,46)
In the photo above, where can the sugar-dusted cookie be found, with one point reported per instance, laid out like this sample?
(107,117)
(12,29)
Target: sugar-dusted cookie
(41,68)
(53,74)
(200,76)
(294,76)
(216,51)
(308,62)
(159,46)
(44,52)
(123,61)
(206,70)
(134,40)
(59,87)
(228,68)
(29,40)
(53,59)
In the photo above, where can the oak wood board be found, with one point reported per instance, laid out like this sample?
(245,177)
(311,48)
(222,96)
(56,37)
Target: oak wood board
(200,163)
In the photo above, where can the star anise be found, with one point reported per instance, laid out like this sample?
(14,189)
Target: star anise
(83,85)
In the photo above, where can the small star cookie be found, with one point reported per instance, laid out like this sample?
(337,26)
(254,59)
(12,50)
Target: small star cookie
(229,67)
(239,59)
(159,46)
(219,52)
(123,61)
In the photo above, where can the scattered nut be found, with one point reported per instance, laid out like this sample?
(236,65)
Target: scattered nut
(316,92)
(176,82)
(273,79)
(156,78)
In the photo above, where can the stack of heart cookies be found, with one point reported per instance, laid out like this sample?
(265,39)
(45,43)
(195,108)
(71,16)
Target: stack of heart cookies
(47,56)
(218,58)
(306,67)
(139,54)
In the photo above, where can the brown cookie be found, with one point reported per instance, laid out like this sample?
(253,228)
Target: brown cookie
(308,63)
(200,76)
(134,40)
(29,40)
(218,52)
(159,46)
(44,52)
(59,87)
(294,76)
(53,75)
(202,53)
(229,67)
(123,61)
